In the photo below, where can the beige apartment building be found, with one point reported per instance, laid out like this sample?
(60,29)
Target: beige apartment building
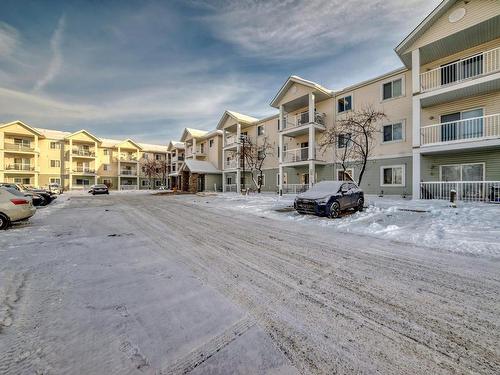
(37,157)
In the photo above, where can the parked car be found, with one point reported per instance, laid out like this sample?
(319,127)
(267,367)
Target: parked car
(99,189)
(36,198)
(330,198)
(14,206)
(54,188)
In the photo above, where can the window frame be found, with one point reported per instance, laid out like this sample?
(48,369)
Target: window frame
(350,171)
(403,178)
(56,162)
(403,132)
(460,165)
(391,81)
(260,130)
(345,144)
(343,97)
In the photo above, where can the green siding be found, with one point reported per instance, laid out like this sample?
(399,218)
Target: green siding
(211,180)
(430,163)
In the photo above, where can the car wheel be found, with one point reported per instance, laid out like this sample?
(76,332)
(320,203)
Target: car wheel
(360,205)
(93,193)
(334,210)
(4,221)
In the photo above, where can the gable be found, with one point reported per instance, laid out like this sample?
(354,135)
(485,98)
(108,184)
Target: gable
(476,11)
(228,122)
(295,91)
(128,144)
(18,127)
(82,136)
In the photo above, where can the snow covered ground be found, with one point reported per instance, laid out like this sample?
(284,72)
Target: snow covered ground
(471,228)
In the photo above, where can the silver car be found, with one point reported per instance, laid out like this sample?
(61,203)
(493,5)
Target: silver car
(14,206)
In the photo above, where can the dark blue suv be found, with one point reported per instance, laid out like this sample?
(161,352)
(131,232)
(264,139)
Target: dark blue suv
(330,198)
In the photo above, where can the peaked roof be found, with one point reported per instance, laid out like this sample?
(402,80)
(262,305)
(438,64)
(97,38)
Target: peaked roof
(423,26)
(131,141)
(237,116)
(175,144)
(199,166)
(296,79)
(195,133)
(85,132)
(19,122)
(153,148)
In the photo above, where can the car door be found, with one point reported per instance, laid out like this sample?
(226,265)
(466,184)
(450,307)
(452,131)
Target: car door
(344,196)
(353,194)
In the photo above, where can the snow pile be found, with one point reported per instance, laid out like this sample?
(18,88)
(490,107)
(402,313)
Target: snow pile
(471,228)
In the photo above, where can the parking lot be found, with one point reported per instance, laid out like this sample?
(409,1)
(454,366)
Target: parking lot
(138,283)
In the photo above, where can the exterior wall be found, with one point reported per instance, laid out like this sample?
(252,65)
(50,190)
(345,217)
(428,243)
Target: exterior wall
(476,12)
(491,157)
(211,180)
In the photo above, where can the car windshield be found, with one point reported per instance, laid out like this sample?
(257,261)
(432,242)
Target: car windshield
(13,191)
(100,186)
(327,187)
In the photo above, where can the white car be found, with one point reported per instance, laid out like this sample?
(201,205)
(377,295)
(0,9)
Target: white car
(14,206)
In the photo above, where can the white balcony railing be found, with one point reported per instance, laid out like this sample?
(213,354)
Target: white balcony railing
(230,140)
(484,127)
(128,187)
(128,158)
(302,154)
(83,170)
(128,173)
(83,152)
(293,121)
(294,188)
(231,164)
(475,191)
(20,167)
(478,65)
(18,147)
(231,188)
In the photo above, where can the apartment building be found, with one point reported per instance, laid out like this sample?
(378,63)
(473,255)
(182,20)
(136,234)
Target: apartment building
(35,156)
(202,167)
(177,153)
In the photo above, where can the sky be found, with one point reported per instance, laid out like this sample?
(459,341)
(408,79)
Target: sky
(147,69)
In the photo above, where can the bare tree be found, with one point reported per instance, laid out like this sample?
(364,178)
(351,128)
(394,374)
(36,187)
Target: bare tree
(254,155)
(353,137)
(164,169)
(150,168)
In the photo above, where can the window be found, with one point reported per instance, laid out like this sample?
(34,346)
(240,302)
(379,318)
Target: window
(55,163)
(229,180)
(462,172)
(344,140)
(392,89)
(344,104)
(157,183)
(210,143)
(55,145)
(158,157)
(145,183)
(261,155)
(83,181)
(22,180)
(261,180)
(392,175)
(55,180)
(462,125)
(393,132)
(106,152)
(106,167)
(345,175)
(260,130)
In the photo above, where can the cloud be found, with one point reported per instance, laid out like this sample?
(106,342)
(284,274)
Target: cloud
(56,62)
(306,29)
(8,39)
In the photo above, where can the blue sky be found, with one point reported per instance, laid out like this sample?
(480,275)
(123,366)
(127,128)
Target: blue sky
(147,69)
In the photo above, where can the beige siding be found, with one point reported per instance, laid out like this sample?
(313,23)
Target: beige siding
(295,91)
(476,12)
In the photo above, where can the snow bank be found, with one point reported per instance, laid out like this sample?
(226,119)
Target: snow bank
(471,228)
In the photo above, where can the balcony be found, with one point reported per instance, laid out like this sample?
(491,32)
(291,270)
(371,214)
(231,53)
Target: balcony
(20,167)
(298,155)
(8,146)
(479,65)
(295,121)
(128,158)
(128,173)
(474,191)
(83,153)
(478,128)
(83,170)
(231,164)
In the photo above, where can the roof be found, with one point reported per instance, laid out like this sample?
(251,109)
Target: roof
(195,133)
(237,116)
(34,130)
(131,141)
(372,80)
(200,166)
(424,26)
(85,132)
(175,144)
(296,79)
(53,134)
(153,148)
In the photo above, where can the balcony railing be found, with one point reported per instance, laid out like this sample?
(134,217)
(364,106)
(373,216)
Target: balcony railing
(302,154)
(83,170)
(83,152)
(475,191)
(230,141)
(128,187)
(293,121)
(231,188)
(294,188)
(484,127)
(20,167)
(231,164)
(18,147)
(128,158)
(128,173)
(478,65)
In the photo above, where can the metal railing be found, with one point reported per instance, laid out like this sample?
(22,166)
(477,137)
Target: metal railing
(20,167)
(302,154)
(83,170)
(231,188)
(128,187)
(475,191)
(18,147)
(230,141)
(294,188)
(482,127)
(293,121)
(83,152)
(478,65)
(130,158)
(128,173)
(231,164)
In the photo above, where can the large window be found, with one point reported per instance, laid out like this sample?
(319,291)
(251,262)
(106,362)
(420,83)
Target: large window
(462,125)
(344,104)
(392,175)
(83,181)
(393,132)
(462,172)
(392,89)
(260,130)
